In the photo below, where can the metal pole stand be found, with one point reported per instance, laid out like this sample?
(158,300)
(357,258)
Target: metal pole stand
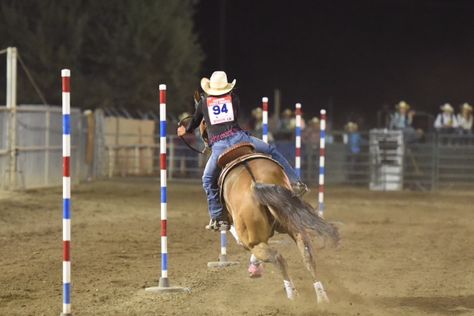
(164,287)
(223,260)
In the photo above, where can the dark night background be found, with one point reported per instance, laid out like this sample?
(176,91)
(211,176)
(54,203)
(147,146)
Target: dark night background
(355,55)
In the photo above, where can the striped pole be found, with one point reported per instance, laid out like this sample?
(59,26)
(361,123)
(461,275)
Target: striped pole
(66,98)
(265,119)
(164,211)
(164,284)
(298,140)
(223,245)
(322,155)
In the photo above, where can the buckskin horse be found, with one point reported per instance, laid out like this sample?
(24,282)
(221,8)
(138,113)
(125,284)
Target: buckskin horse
(259,200)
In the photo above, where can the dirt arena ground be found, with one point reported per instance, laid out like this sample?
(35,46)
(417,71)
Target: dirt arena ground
(403,253)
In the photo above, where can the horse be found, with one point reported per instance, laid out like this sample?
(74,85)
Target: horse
(258,197)
(259,200)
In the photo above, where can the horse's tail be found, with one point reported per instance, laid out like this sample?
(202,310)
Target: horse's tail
(292,213)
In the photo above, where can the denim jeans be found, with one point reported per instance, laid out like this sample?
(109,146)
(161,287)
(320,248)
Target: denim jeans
(211,172)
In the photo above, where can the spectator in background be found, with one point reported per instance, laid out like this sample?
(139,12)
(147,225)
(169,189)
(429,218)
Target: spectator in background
(353,137)
(293,123)
(465,119)
(353,140)
(446,121)
(285,132)
(256,124)
(311,133)
(402,118)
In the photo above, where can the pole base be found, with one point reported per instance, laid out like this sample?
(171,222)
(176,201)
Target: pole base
(223,262)
(65,314)
(164,287)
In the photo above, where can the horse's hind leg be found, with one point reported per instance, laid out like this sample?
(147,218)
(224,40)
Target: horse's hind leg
(265,253)
(306,249)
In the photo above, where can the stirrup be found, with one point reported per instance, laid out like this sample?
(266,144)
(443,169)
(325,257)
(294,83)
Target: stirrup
(217,225)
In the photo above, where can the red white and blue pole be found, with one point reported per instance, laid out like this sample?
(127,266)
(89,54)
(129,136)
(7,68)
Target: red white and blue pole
(164,284)
(66,109)
(265,119)
(322,157)
(164,203)
(298,140)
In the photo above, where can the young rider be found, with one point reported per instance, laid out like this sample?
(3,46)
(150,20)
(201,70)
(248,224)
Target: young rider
(219,107)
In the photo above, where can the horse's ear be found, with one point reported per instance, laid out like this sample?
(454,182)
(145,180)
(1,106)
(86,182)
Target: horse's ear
(197,96)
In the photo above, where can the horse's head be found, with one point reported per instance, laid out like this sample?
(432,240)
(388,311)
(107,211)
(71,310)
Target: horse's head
(187,120)
(202,126)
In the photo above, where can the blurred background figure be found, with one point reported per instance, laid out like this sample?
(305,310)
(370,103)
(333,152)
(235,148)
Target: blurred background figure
(354,141)
(256,124)
(310,134)
(353,137)
(465,119)
(402,118)
(285,132)
(293,123)
(446,121)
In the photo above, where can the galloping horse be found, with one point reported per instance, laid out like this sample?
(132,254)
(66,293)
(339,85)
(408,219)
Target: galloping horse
(258,197)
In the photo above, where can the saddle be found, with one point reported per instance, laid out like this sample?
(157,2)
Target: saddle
(235,156)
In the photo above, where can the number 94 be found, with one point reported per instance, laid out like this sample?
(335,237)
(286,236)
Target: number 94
(218,110)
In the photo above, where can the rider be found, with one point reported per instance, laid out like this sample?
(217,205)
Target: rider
(219,107)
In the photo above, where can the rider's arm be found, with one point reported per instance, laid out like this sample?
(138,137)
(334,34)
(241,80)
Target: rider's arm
(197,118)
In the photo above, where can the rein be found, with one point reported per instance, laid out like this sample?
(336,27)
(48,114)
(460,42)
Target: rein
(180,123)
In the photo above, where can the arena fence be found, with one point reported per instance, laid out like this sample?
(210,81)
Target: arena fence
(99,151)
(31,158)
(436,162)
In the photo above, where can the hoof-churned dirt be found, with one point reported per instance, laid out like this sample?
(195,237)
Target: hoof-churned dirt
(402,253)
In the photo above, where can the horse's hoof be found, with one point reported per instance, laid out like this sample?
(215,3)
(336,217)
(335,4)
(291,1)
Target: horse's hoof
(321,295)
(255,270)
(289,289)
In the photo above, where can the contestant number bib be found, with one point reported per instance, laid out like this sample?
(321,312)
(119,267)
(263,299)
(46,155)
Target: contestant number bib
(220,109)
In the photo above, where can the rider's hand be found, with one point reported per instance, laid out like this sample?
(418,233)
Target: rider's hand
(181,131)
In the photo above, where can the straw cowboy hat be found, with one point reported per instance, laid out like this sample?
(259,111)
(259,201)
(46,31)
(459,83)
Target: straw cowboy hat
(183,115)
(351,126)
(287,113)
(403,105)
(447,107)
(257,112)
(314,120)
(466,106)
(218,84)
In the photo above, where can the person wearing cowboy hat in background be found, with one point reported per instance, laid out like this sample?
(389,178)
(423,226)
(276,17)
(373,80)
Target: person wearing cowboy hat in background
(465,119)
(256,125)
(402,118)
(284,130)
(353,140)
(446,121)
(219,106)
(310,134)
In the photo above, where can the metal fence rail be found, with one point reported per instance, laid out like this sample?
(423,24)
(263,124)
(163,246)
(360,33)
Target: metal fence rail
(436,161)
(37,148)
